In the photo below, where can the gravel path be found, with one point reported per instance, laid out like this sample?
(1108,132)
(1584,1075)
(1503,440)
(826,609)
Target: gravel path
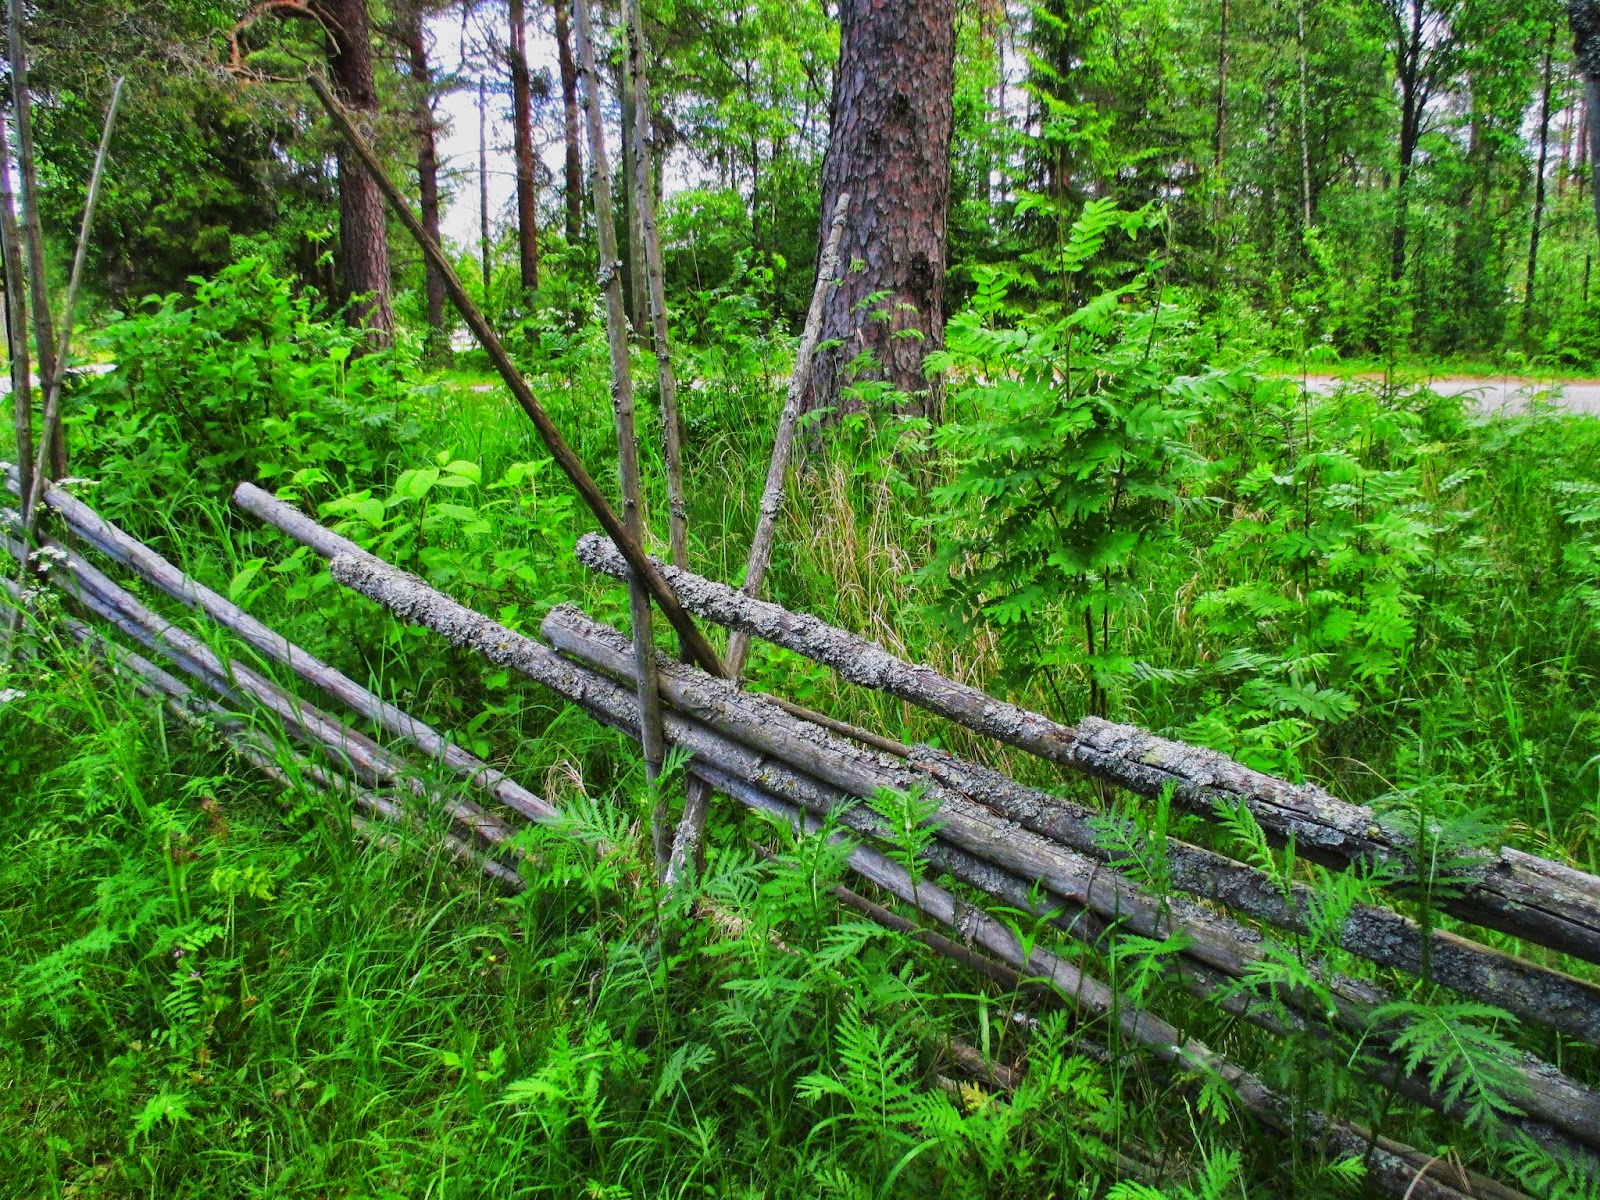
(1509,393)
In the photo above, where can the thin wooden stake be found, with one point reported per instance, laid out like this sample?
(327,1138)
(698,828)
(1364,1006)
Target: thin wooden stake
(28,186)
(51,423)
(571,466)
(16,315)
(651,741)
(755,571)
(645,202)
(686,840)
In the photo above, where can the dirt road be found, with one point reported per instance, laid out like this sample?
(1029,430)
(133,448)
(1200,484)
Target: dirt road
(1509,393)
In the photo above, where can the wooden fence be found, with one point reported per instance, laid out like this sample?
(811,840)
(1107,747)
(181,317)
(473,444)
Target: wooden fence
(992,836)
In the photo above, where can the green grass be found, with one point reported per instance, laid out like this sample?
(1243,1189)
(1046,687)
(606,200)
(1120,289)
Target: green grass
(355,1021)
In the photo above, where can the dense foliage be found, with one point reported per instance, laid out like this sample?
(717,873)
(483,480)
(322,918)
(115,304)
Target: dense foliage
(1125,504)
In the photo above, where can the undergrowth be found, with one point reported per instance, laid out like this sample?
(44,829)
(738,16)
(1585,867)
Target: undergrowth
(208,986)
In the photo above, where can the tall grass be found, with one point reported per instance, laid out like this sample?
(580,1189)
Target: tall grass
(209,987)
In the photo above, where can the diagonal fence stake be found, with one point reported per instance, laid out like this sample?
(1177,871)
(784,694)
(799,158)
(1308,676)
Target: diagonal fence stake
(565,458)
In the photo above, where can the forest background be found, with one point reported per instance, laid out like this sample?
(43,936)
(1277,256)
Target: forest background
(1078,471)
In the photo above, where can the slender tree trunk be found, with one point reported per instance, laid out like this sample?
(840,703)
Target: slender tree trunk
(651,737)
(1583,17)
(655,284)
(522,121)
(1564,167)
(363,223)
(427,178)
(16,317)
(485,242)
(633,265)
(573,177)
(1409,58)
(1538,184)
(1220,132)
(32,230)
(1305,139)
(1591,107)
(889,150)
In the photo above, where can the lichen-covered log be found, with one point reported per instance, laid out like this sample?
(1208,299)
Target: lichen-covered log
(977,841)
(139,558)
(1392,1167)
(1525,989)
(348,749)
(251,746)
(1529,897)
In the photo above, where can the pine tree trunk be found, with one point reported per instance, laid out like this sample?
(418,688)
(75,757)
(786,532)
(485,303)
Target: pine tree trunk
(1584,18)
(1408,61)
(522,125)
(427,179)
(363,223)
(889,150)
(1220,132)
(573,175)
(1538,184)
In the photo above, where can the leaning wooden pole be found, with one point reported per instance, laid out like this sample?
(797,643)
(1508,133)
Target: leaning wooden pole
(650,740)
(755,570)
(16,313)
(28,188)
(50,462)
(565,458)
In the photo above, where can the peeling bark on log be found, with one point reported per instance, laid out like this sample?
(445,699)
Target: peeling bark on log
(1215,940)
(143,561)
(1529,991)
(346,748)
(1517,893)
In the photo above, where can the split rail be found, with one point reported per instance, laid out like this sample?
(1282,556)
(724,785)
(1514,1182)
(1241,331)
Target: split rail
(994,840)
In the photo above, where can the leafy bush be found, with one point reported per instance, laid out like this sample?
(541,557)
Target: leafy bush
(246,378)
(1070,458)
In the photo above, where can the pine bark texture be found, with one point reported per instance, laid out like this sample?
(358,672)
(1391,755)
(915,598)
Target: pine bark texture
(363,227)
(1584,18)
(889,150)
(572,183)
(427,178)
(522,139)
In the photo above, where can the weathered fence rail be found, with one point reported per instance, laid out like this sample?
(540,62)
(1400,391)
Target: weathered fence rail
(1532,898)
(1023,847)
